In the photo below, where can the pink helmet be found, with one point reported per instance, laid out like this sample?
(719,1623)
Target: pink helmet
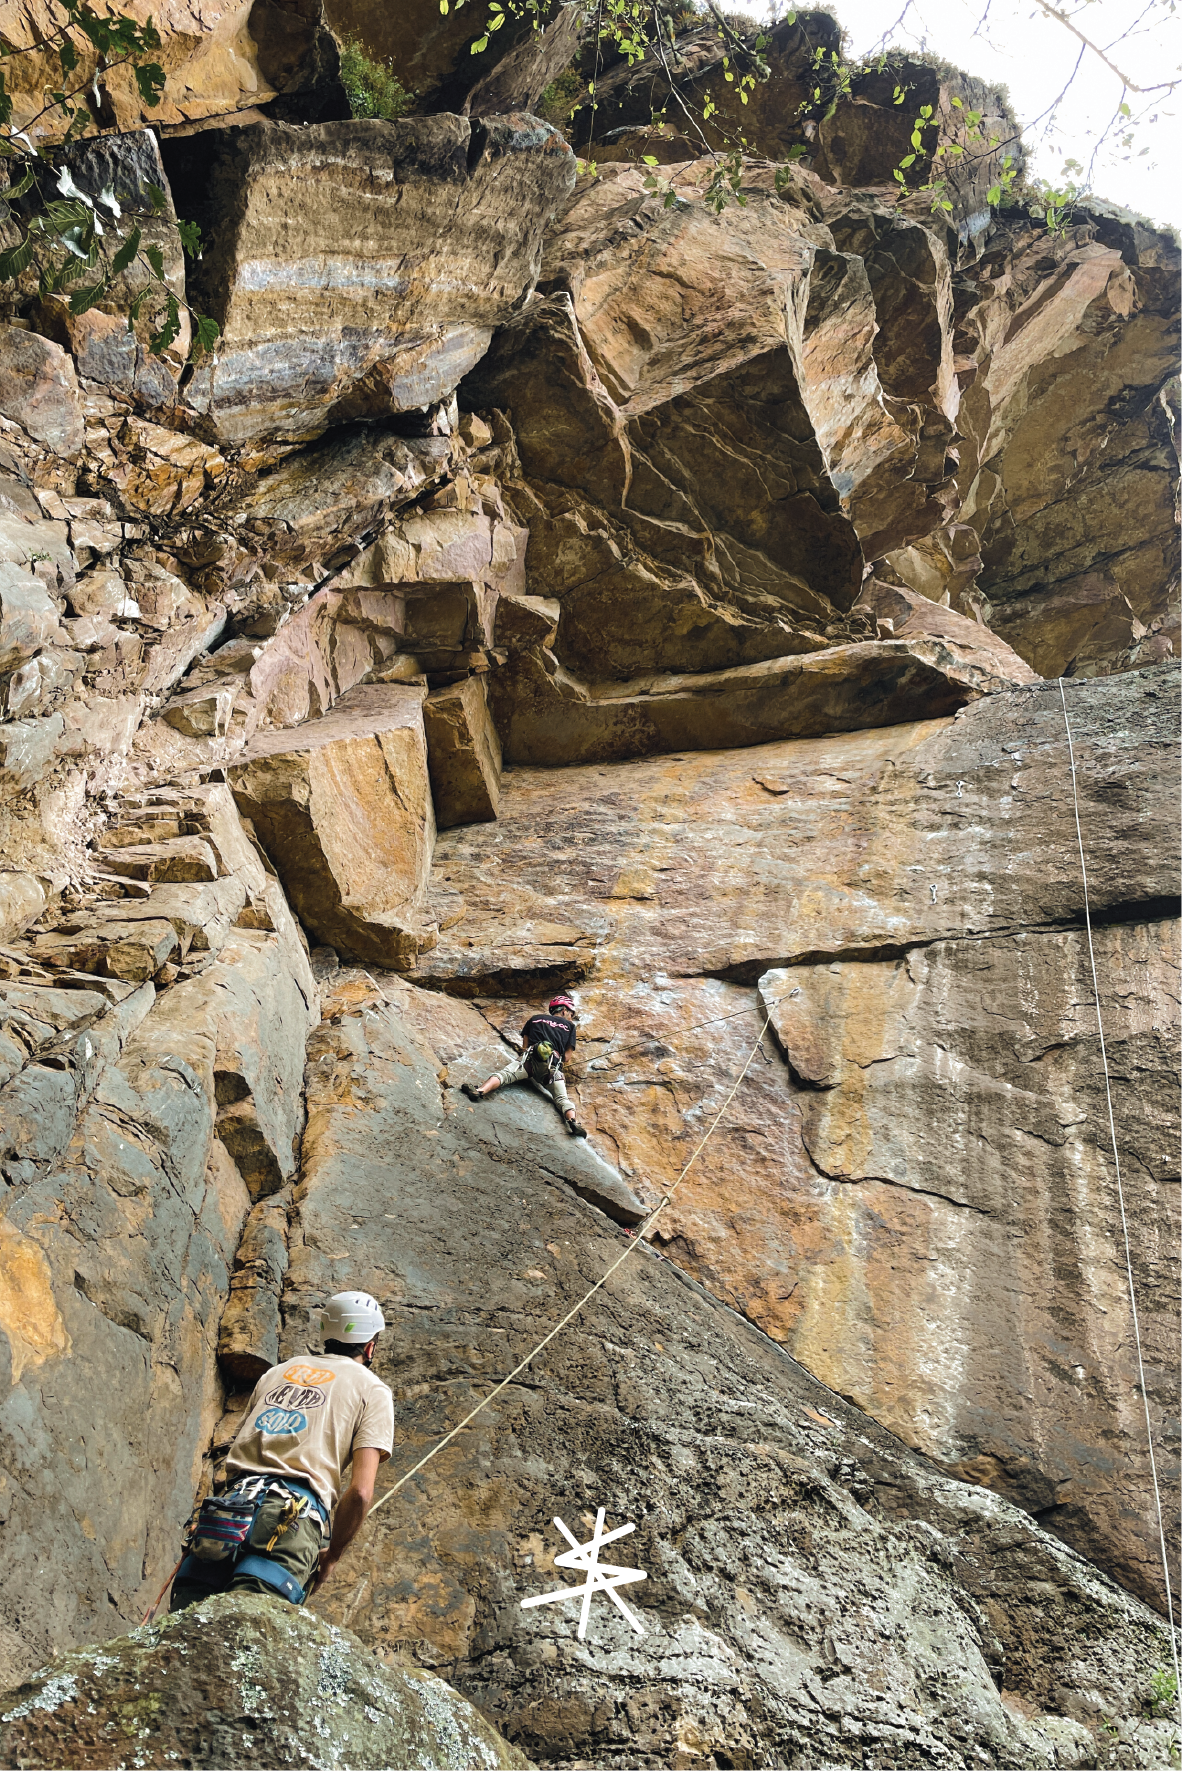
(561,1003)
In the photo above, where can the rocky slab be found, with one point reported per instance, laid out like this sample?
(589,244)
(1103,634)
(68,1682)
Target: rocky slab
(343,807)
(546,717)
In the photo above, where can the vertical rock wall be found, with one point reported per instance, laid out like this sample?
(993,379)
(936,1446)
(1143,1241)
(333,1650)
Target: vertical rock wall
(655,603)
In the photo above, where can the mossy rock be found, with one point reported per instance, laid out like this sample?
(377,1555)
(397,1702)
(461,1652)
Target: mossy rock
(241,1681)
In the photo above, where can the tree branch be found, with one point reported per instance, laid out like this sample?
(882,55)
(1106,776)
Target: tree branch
(1130,85)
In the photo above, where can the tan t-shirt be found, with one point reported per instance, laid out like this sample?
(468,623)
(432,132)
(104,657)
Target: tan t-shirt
(307,1417)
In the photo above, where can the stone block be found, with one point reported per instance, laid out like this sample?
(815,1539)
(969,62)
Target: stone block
(134,950)
(427,234)
(39,390)
(203,713)
(172,859)
(28,615)
(449,616)
(248,1338)
(103,593)
(27,748)
(22,899)
(342,806)
(463,754)
(522,622)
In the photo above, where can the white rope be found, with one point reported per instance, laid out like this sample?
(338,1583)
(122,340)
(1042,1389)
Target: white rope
(641,1233)
(1124,1223)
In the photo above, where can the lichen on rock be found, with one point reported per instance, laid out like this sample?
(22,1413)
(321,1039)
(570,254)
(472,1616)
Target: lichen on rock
(240,1681)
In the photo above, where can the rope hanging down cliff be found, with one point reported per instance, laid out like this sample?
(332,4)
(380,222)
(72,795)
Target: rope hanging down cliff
(1120,1195)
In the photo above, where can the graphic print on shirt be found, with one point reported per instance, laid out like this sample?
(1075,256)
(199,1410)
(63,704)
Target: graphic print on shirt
(303,1388)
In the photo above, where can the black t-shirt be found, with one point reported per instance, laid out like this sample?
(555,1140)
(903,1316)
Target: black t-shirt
(560,1033)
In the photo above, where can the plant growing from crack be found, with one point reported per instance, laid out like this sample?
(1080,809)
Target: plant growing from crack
(63,233)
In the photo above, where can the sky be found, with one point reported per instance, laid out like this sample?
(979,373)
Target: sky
(1019,47)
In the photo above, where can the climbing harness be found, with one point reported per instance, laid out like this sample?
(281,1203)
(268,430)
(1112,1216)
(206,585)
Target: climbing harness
(543,1062)
(1124,1223)
(218,1538)
(634,1244)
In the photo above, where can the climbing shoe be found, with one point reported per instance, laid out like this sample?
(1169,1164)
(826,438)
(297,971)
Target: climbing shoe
(472,1092)
(574,1128)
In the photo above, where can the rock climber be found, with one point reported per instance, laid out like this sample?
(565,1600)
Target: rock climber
(307,1421)
(546,1040)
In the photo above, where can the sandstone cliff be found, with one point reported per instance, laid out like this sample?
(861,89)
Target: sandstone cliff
(549,586)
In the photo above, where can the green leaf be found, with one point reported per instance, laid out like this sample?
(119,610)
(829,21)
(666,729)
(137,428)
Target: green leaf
(959,103)
(126,252)
(993,196)
(21,186)
(190,234)
(479,46)
(206,333)
(1123,110)
(169,329)
(68,56)
(83,299)
(15,260)
(159,200)
(494,24)
(651,160)
(155,258)
(149,78)
(907,160)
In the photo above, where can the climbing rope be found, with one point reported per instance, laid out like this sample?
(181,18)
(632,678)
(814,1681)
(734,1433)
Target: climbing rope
(1124,1223)
(640,1236)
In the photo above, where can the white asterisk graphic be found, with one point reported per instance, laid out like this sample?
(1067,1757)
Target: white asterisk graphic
(601,1577)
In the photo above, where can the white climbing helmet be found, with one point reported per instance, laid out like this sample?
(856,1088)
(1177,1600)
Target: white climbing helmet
(351,1317)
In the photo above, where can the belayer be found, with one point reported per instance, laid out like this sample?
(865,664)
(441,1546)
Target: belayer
(546,1040)
(307,1421)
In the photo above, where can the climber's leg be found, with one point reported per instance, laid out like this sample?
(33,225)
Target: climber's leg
(563,1104)
(518,1074)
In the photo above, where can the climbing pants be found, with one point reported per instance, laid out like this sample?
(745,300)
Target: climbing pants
(553,1086)
(298,1550)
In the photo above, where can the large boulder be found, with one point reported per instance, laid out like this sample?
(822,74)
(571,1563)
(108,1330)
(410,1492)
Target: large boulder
(242,1680)
(343,807)
(358,269)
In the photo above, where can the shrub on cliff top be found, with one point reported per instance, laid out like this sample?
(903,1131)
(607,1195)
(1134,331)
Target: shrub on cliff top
(371,87)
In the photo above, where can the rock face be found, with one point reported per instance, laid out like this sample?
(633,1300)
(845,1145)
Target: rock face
(384,316)
(137,1120)
(240,1681)
(247,53)
(554,583)
(814,1592)
(881,888)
